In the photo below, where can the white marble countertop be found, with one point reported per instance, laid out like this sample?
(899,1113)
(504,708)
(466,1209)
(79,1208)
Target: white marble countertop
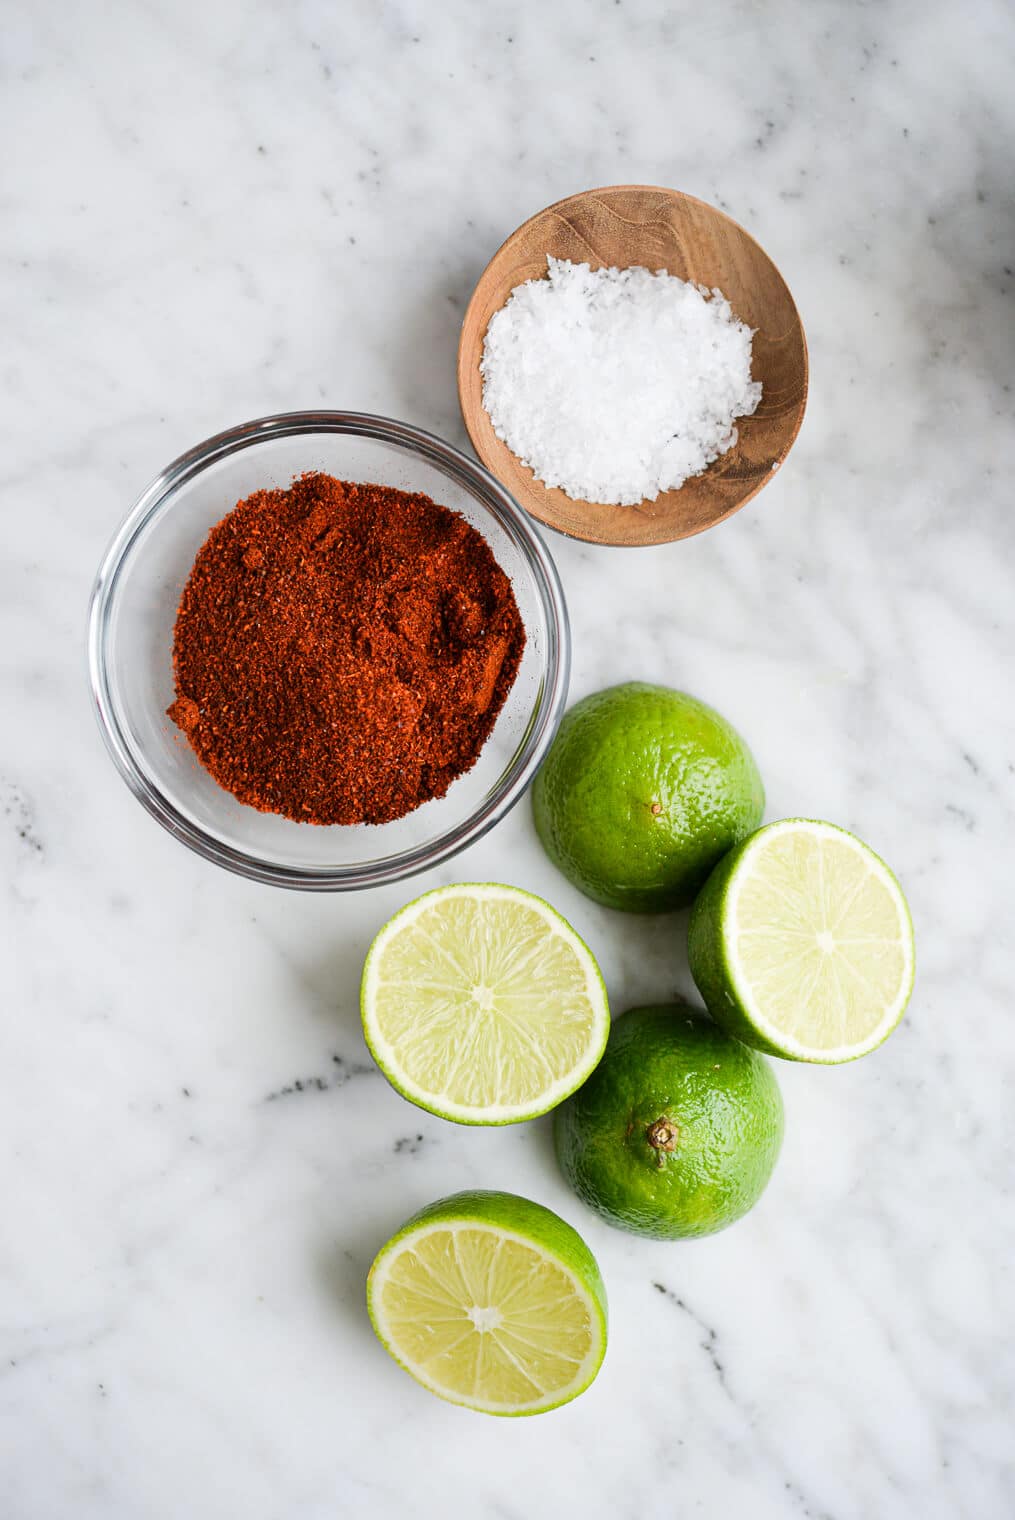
(216,211)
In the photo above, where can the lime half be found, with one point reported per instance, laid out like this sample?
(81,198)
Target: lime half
(801,943)
(481,1004)
(491,1301)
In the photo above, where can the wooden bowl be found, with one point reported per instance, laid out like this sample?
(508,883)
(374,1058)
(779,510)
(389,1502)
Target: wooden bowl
(661,229)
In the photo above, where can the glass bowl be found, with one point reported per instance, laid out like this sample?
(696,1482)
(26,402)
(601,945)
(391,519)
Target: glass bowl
(133,610)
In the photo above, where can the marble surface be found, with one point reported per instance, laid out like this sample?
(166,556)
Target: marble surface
(217,211)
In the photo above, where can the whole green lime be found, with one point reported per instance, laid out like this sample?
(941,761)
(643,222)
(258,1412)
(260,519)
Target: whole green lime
(677,1130)
(643,791)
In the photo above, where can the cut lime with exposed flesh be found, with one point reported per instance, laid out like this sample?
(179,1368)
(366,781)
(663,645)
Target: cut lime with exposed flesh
(491,1301)
(481,1004)
(801,943)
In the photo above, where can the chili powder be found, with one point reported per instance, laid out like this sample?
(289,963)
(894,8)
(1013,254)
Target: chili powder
(341,652)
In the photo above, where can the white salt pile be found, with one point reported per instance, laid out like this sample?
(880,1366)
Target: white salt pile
(616,384)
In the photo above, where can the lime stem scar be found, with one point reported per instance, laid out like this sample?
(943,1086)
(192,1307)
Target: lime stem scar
(662,1136)
(656,809)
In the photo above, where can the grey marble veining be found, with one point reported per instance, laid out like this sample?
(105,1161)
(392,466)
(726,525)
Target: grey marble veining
(212,212)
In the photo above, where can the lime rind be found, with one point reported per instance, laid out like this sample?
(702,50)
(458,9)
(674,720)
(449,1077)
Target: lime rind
(721,978)
(491,1113)
(509,1218)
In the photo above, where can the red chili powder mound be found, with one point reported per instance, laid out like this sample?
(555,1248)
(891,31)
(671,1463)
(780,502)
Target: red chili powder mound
(342,651)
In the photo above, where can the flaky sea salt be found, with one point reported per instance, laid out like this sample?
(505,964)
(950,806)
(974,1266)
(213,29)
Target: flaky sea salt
(616,384)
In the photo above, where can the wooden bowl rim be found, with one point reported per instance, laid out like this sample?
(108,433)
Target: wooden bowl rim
(464,374)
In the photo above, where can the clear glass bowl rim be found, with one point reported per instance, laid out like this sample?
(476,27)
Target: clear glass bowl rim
(158,497)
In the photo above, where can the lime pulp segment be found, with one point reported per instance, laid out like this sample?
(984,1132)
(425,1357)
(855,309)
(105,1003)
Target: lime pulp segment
(481,1004)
